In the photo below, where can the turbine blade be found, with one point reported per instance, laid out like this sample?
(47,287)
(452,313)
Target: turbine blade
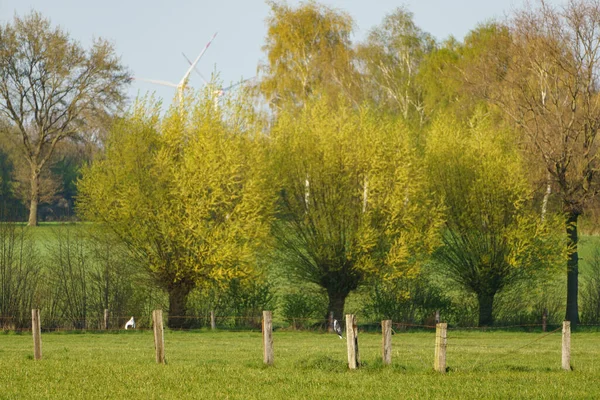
(187,74)
(196,69)
(155,81)
(237,84)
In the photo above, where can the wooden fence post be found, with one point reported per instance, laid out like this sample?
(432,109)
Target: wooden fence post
(106,318)
(213,322)
(330,322)
(36,330)
(352,341)
(440,347)
(159,337)
(544,320)
(386,331)
(566,346)
(267,333)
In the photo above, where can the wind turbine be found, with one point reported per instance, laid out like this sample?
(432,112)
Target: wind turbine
(183,82)
(218,92)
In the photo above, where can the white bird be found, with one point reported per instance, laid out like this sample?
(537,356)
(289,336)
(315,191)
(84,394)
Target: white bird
(130,323)
(337,328)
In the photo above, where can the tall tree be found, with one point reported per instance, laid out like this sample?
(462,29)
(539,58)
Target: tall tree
(492,237)
(187,193)
(51,88)
(307,47)
(545,81)
(352,204)
(390,60)
(478,61)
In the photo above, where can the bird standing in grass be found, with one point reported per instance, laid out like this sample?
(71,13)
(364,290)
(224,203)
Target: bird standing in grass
(337,328)
(130,324)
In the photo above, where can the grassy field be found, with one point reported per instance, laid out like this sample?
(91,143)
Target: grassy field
(228,365)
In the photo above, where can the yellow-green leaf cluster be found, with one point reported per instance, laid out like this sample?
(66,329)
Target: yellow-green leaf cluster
(186,191)
(492,236)
(308,47)
(354,204)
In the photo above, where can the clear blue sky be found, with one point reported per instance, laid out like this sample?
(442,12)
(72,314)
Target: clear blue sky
(150,35)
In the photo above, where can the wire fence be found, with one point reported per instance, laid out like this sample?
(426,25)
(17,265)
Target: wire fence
(467,348)
(112,322)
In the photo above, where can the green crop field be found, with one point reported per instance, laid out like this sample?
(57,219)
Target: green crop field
(308,365)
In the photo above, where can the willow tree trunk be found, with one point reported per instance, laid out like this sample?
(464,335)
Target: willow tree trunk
(486,309)
(572,313)
(35,197)
(178,295)
(336,304)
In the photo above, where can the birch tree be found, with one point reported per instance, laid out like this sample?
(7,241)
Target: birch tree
(307,47)
(390,60)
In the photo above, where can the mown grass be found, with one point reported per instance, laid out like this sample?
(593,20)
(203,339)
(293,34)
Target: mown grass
(228,365)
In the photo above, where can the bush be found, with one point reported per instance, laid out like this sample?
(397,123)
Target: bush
(590,293)
(20,278)
(524,303)
(299,308)
(89,270)
(239,304)
(407,300)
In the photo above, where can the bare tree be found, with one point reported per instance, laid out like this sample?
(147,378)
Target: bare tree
(52,88)
(551,92)
(69,270)
(20,276)
(542,71)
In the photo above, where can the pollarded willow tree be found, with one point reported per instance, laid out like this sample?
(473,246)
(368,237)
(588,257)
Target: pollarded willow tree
(52,89)
(187,193)
(353,203)
(492,237)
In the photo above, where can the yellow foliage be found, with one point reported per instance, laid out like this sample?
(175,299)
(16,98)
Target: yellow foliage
(187,191)
(355,204)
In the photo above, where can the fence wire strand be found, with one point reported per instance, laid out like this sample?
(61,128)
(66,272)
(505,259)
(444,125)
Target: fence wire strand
(515,350)
(498,352)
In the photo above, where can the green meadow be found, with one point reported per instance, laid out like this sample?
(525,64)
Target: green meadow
(308,365)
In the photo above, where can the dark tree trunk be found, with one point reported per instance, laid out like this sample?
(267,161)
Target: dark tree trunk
(336,304)
(339,281)
(572,313)
(486,308)
(178,294)
(35,198)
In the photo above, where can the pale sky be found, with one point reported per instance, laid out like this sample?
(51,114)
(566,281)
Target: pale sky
(151,35)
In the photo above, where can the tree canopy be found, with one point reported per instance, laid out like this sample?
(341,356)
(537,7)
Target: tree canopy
(540,69)
(352,203)
(307,47)
(375,158)
(186,192)
(391,58)
(51,89)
